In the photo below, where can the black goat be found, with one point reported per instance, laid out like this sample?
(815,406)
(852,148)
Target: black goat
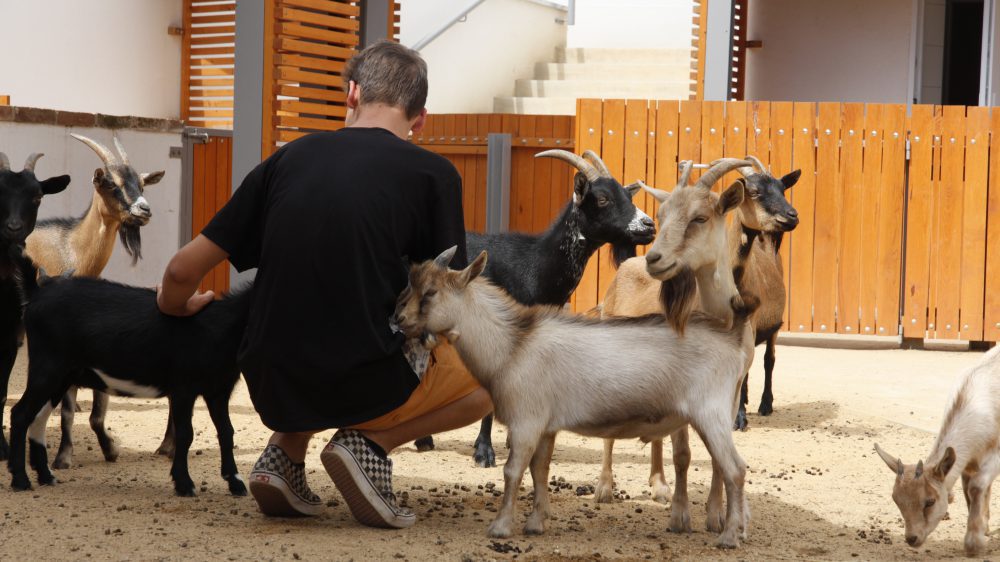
(546,268)
(20,195)
(111,337)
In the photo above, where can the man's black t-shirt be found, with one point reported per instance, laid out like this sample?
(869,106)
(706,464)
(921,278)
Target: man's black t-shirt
(327,220)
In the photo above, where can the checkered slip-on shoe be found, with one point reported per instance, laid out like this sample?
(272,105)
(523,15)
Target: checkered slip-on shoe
(280,487)
(365,481)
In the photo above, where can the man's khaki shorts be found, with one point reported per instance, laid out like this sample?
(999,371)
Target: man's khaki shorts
(445,381)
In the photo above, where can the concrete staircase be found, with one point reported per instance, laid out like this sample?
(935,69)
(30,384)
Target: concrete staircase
(599,73)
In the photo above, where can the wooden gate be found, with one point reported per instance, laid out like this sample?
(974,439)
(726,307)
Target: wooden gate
(211,156)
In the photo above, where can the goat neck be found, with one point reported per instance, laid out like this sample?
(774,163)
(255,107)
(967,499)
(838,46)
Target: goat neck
(93,238)
(716,289)
(484,318)
(566,252)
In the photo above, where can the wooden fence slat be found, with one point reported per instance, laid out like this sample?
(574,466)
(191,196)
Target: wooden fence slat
(803,198)
(937,124)
(992,290)
(644,200)
(636,143)
(304,108)
(973,272)
(871,177)
(890,221)
(735,133)
(561,191)
(314,63)
(950,223)
(613,154)
(826,231)
(919,201)
(712,135)
(851,186)
(287,44)
(588,136)
(522,187)
(326,6)
(780,142)
(342,23)
(667,123)
(541,211)
(300,31)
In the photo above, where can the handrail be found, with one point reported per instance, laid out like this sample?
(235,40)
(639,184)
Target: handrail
(437,33)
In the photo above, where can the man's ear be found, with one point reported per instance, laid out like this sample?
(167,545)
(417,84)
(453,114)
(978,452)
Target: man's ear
(419,122)
(353,95)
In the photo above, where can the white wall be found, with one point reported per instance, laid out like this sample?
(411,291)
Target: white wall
(148,152)
(480,58)
(818,50)
(932,52)
(110,56)
(633,24)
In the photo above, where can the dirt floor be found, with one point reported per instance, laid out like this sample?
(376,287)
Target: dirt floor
(817,490)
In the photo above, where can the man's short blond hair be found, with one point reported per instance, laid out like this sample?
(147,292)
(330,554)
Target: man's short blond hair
(392,74)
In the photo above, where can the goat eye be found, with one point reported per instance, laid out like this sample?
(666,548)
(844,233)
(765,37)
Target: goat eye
(602,201)
(929,503)
(430,293)
(700,220)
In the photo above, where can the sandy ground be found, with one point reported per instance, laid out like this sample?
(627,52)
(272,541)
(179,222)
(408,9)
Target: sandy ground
(816,488)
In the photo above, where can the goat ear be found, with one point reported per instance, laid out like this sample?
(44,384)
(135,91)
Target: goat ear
(581,186)
(475,268)
(149,179)
(101,178)
(895,465)
(943,467)
(790,179)
(658,194)
(731,198)
(633,188)
(444,258)
(54,185)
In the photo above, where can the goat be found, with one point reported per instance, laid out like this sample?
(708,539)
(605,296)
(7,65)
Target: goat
(20,195)
(754,239)
(968,445)
(546,268)
(84,244)
(111,337)
(522,355)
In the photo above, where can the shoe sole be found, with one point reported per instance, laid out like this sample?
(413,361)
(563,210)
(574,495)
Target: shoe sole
(276,499)
(364,501)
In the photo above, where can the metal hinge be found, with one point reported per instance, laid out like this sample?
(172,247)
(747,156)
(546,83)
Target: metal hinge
(196,135)
(907,150)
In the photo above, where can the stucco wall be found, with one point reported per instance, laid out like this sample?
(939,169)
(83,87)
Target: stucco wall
(632,24)
(148,152)
(112,56)
(480,58)
(817,50)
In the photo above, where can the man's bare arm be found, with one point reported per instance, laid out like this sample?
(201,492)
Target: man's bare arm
(177,294)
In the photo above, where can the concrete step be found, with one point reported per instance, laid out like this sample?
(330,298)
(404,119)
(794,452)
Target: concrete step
(608,88)
(629,56)
(608,70)
(534,106)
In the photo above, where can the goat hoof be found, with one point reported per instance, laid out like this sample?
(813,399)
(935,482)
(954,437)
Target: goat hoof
(46,479)
(765,409)
(727,543)
(534,529)
(661,494)
(604,493)
(62,462)
(185,489)
(975,544)
(715,523)
(498,530)
(424,444)
(111,455)
(165,451)
(485,457)
(236,485)
(20,483)
(741,422)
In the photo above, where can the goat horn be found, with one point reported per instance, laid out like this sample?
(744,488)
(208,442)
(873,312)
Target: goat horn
(757,168)
(4,162)
(121,149)
(686,167)
(29,164)
(757,164)
(597,162)
(573,159)
(106,156)
(720,168)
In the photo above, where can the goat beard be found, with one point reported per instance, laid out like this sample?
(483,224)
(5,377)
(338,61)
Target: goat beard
(677,297)
(622,252)
(131,240)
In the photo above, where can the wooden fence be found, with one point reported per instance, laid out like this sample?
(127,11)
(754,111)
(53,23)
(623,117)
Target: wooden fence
(208,64)
(211,177)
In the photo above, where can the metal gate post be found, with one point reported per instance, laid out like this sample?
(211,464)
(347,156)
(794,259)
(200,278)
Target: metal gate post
(498,183)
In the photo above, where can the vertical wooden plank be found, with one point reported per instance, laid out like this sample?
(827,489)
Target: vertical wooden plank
(780,143)
(647,202)
(613,154)
(735,144)
(561,184)
(541,212)
(523,161)
(223,187)
(588,136)
(269,133)
(197,189)
(229,193)
(488,124)
(919,199)
(826,233)
(208,201)
(185,61)
(890,221)
(759,132)
(950,204)
(871,178)
(803,198)
(937,125)
(973,272)
(665,151)
(636,144)
(712,134)
(992,304)
(851,187)
(689,134)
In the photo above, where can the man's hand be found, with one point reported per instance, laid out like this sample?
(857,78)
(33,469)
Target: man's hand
(193,306)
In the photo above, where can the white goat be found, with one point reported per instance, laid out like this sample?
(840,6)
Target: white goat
(968,445)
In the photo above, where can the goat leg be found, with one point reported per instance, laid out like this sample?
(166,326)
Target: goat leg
(680,514)
(540,462)
(657,481)
(7,358)
(35,404)
(167,446)
(741,415)
(424,444)
(64,458)
(97,413)
(605,489)
(181,409)
(522,449)
(37,454)
(766,398)
(484,455)
(726,461)
(218,409)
